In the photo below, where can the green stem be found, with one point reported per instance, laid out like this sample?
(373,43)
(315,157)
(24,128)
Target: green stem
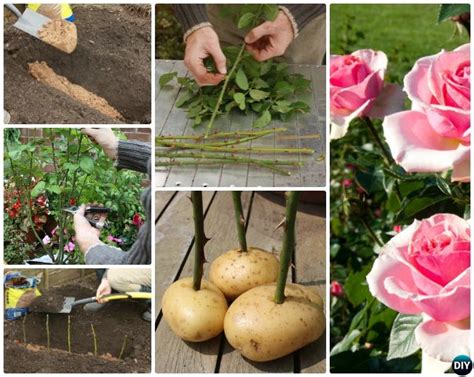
(206,147)
(371,232)
(239,219)
(221,135)
(288,246)
(95,339)
(199,239)
(48,339)
(224,87)
(69,333)
(123,346)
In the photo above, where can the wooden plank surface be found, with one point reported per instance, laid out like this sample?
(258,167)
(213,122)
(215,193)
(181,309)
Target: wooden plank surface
(304,130)
(173,255)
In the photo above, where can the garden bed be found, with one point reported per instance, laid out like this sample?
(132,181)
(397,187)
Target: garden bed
(112,60)
(111,324)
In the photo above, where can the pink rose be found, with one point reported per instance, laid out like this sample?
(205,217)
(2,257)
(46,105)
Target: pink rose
(434,136)
(357,89)
(337,290)
(425,269)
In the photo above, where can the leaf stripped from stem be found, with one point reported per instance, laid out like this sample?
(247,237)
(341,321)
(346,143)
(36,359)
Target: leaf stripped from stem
(239,219)
(224,87)
(288,246)
(94,339)
(231,149)
(199,239)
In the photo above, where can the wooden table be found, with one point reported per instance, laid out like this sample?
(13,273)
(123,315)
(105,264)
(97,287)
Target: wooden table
(303,131)
(174,248)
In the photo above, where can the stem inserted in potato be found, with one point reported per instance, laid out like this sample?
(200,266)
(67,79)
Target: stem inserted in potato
(288,246)
(239,219)
(199,239)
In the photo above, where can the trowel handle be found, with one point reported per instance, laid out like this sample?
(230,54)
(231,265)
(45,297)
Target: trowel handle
(14,9)
(116,296)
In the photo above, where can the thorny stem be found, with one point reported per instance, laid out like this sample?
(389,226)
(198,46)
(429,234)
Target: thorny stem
(371,232)
(123,346)
(205,147)
(222,135)
(48,339)
(288,246)
(224,87)
(199,239)
(239,219)
(95,339)
(69,333)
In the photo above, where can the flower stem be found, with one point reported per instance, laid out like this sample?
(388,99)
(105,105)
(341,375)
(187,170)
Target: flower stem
(48,338)
(94,337)
(199,239)
(288,247)
(371,232)
(239,219)
(224,87)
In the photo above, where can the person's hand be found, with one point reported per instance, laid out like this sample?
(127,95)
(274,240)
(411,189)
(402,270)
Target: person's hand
(103,289)
(106,138)
(270,39)
(85,234)
(201,44)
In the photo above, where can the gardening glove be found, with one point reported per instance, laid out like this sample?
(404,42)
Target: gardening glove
(270,39)
(103,289)
(201,44)
(86,235)
(106,138)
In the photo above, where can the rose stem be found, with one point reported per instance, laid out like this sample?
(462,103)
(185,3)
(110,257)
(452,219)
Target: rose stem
(23,325)
(69,333)
(288,246)
(206,147)
(95,339)
(224,87)
(388,159)
(123,346)
(199,239)
(48,339)
(239,219)
(371,232)
(220,135)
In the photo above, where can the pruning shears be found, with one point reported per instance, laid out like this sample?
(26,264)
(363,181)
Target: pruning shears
(95,215)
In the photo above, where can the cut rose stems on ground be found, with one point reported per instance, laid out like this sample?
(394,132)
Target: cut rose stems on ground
(288,316)
(238,270)
(193,307)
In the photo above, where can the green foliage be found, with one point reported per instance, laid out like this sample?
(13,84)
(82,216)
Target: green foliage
(169,34)
(402,336)
(447,11)
(266,89)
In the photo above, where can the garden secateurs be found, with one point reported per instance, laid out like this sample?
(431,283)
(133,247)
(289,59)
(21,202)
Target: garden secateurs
(94,214)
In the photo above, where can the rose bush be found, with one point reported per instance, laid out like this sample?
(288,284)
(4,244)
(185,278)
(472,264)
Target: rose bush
(425,269)
(434,136)
(357,89)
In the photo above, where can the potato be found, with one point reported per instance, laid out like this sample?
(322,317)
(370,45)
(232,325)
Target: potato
(262,330)
(192,315)
(235,271)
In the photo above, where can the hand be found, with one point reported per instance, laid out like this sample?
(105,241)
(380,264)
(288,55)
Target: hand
(270,39)
(106,138)
(103,289)
(200,44)
(86,235)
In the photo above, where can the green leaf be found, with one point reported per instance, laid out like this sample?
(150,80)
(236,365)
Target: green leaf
(38,189)
(282,106)
(167,77)
(452,10)
(71,167)
(284,88)
(270,11)
(241,79)
(87,164)
(184,98)
(402,337)
(412,206)
(240,99)
(356,288)
(263,120)
(443,186)
(258,95)
(55,189)
(346,343)
(246,21)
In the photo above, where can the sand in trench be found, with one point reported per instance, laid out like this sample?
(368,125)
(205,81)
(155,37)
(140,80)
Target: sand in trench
(44,74)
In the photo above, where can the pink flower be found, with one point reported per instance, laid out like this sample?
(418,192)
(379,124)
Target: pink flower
(425,269)
(69,247)
(46,240)
(397,228)
(434,136)
(114,239)
(337,290)
(357,89)
(347,182)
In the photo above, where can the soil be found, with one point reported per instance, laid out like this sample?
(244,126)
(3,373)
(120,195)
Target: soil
(112,60)
(111,324)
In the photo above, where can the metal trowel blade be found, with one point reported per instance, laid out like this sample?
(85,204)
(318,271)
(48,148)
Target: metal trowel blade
(67,306)
(31,22)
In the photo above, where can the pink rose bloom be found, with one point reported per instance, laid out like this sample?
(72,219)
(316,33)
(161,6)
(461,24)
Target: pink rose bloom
(46,240)
(337,290)
(69,247)
(357,89)
(434,136)
(425,269)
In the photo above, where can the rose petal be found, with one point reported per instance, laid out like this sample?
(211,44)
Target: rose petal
(340,123)
(415,82)
(389,101)
(376,60)
(462,169)
(443,340)
(416,147)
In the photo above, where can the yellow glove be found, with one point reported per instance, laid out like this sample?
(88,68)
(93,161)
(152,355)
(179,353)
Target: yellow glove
(54,11)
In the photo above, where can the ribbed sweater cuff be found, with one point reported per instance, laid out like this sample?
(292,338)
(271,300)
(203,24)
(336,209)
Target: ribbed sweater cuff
(133,155)
(301,14)
(190,15)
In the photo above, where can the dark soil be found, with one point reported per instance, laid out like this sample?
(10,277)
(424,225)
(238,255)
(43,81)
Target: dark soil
(112,60)
(111,324)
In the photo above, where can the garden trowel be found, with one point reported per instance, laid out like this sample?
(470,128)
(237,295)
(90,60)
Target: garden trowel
(70,302)
(30,22)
